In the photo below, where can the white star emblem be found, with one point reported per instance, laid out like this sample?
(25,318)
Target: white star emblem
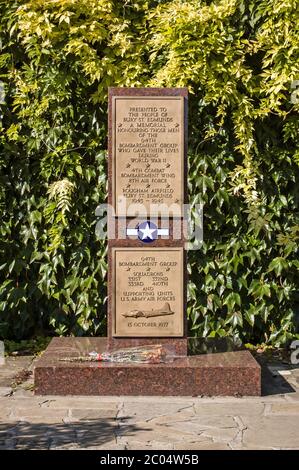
(147,232)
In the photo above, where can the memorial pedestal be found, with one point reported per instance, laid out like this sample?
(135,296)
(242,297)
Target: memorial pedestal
(217,374)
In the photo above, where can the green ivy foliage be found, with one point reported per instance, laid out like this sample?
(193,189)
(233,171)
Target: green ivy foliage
(240,61)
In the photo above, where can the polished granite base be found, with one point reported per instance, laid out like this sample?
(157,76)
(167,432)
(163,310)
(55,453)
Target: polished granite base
(219,373)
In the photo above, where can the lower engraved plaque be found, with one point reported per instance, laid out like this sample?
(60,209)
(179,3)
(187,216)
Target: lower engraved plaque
(148,292)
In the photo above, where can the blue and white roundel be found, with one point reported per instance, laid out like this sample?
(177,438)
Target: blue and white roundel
(147,232)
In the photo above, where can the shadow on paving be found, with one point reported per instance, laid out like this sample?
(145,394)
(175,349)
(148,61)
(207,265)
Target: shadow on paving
(274,385)
(80,434)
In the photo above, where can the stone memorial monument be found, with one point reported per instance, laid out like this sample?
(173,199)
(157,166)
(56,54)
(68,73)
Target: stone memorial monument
(147,178)
(147,275)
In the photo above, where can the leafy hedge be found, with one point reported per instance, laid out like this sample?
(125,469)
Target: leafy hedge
(239,60)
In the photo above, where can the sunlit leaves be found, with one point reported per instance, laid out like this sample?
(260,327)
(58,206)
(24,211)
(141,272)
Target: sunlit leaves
(238,58)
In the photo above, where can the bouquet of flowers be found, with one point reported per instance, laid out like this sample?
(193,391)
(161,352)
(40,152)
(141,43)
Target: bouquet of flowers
(149,354)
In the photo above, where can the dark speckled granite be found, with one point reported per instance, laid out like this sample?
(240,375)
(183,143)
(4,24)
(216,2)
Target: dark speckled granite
(231,373)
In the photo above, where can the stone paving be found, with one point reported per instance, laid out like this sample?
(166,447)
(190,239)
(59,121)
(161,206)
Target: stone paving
(186,423)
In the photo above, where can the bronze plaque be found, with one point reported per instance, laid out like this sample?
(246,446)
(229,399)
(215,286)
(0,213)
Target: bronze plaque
(148,154)
(148,292)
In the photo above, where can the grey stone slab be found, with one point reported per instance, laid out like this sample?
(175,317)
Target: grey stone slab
(229,409)
(151,445)
(291,409)
(32,444)
(75,403)
(106,446)
(146,433)
(170,419)
(293,396)
(5,391)
(30,413)
(218,428)
(93,414)
(23,393)
(204,445)
(272,431)
(135,411)
(19,402)
(72,446)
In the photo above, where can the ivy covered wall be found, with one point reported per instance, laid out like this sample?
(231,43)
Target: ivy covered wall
(240,61)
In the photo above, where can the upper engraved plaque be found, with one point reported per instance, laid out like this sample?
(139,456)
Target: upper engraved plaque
(148,155)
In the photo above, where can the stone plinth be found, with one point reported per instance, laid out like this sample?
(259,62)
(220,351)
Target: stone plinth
(219,374)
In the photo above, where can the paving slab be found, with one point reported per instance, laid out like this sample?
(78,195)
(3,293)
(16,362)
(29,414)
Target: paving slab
(92,414)
(288,408)
(229,408)
(12,367)
(5,391)
(272,432)
(77,402)
(204,445)
(152,408)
